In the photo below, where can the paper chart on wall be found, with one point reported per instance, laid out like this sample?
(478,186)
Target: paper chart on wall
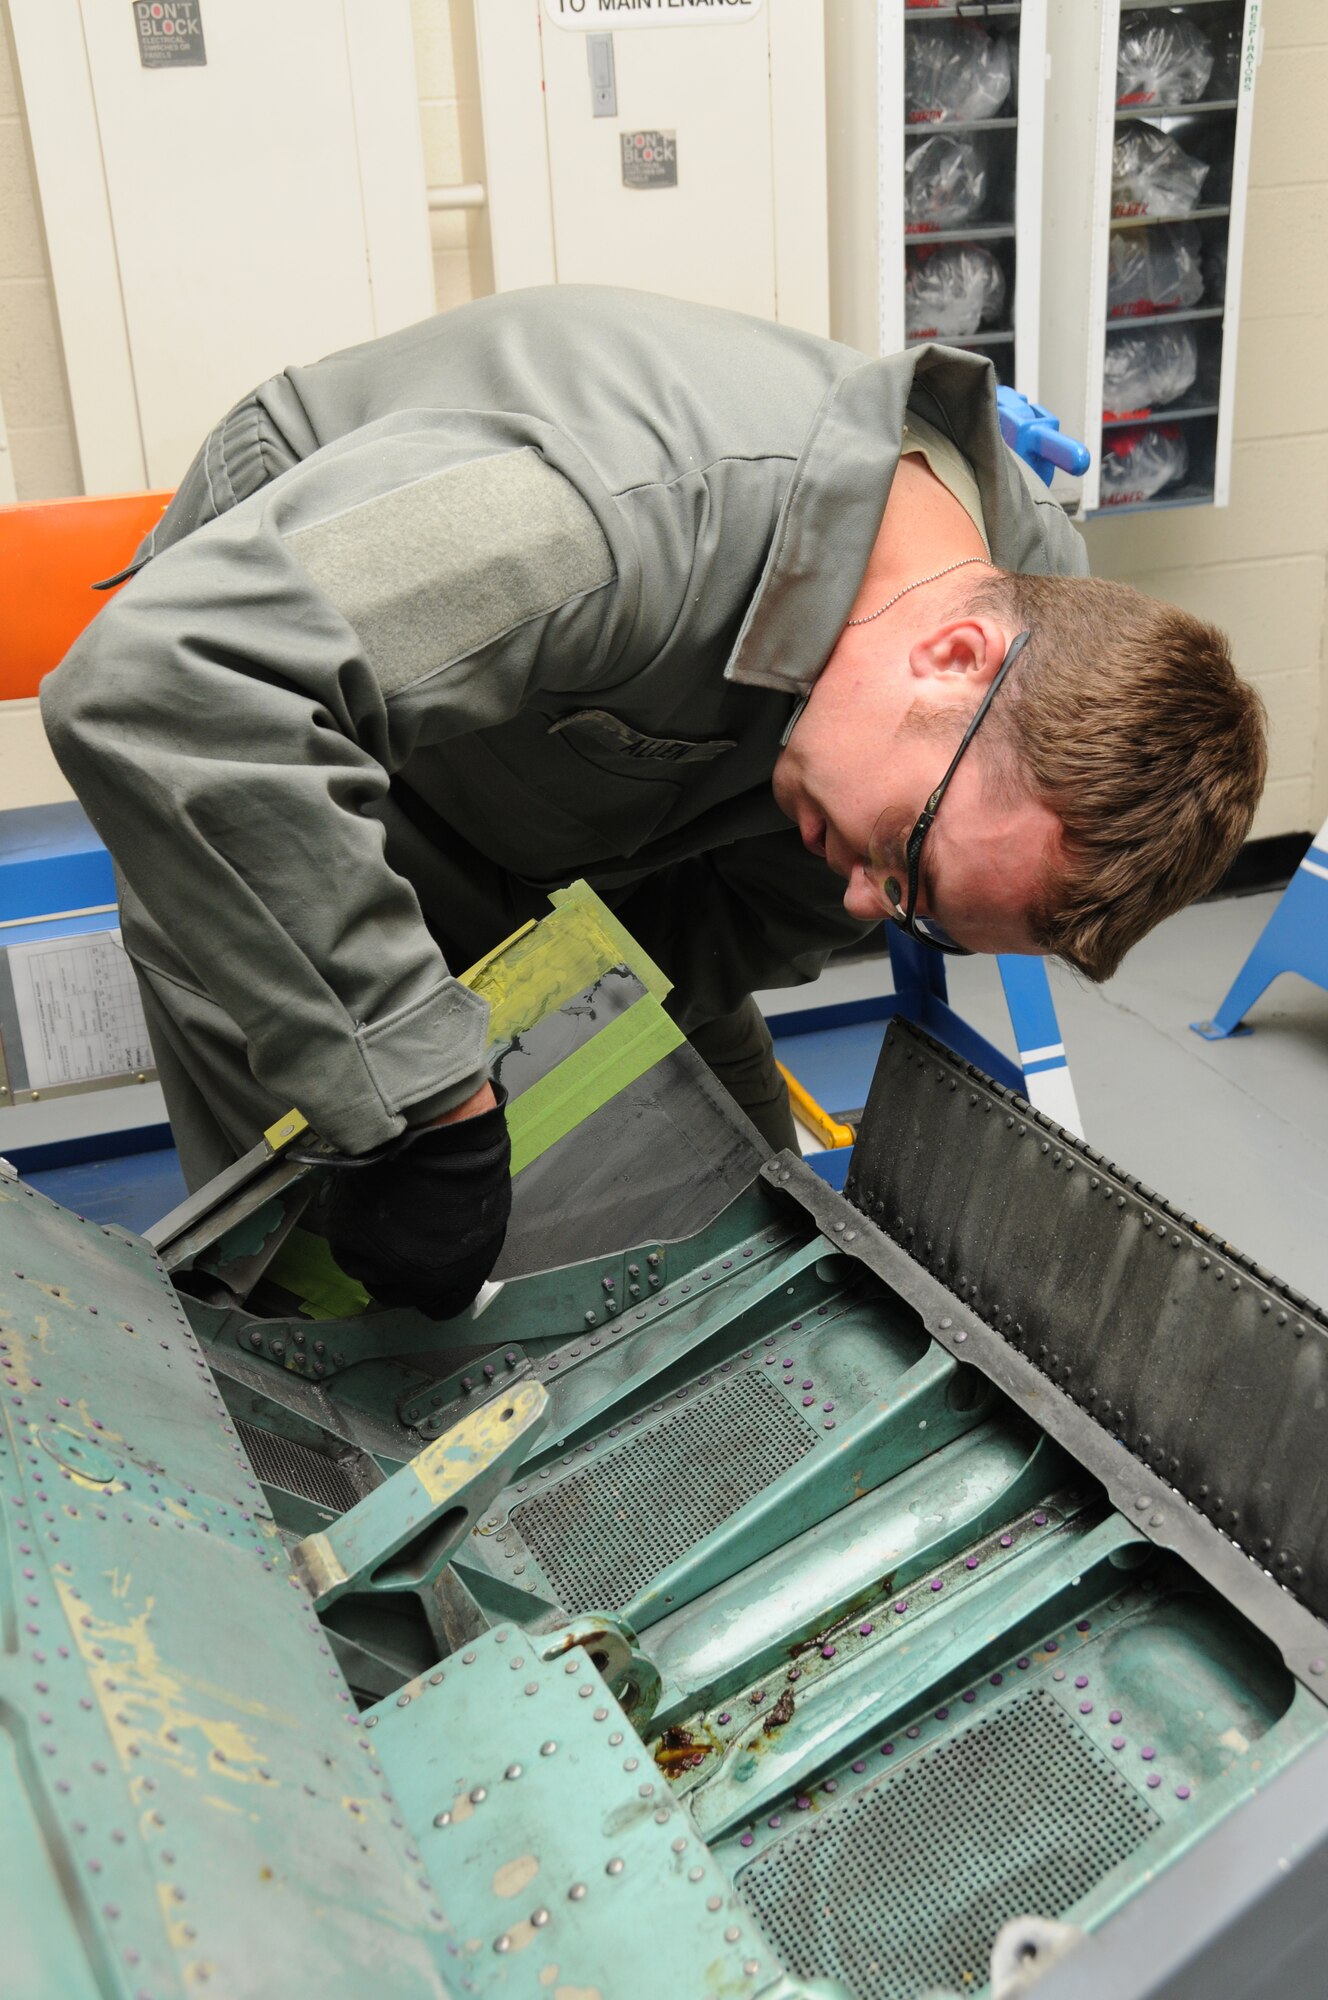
(79,1010)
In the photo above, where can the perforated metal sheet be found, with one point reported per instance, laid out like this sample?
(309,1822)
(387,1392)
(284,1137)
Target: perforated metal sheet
(603,1532)
(903,1886)
(297,1468)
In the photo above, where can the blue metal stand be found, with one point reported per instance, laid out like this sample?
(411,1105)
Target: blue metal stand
(1042,1074)
(1295,939)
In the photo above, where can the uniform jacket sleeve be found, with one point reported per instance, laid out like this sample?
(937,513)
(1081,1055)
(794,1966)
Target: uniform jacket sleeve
(231,719)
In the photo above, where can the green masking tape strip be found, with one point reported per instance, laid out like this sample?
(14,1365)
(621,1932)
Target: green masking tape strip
(304,1266)
(624,1049)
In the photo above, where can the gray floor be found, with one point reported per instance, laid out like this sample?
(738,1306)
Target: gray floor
(1234,1132)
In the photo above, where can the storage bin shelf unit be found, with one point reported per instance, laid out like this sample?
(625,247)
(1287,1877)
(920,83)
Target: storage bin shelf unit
(991,144)
(1129,253)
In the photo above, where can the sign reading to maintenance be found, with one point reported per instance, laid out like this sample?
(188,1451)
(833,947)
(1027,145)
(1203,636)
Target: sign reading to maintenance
(170,33)
(650,159)
(592,16)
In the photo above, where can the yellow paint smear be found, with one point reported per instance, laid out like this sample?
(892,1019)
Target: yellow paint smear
(443,1467)
(522,1935)
(174,1920)
(153,1700)
(512,1877)
(229,1806)
(577,1993)
(101,1436)
(548,1975)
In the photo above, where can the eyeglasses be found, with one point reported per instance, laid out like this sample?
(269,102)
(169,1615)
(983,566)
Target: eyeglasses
(925,929)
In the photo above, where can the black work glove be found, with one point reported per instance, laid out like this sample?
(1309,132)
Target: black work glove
(423,1224)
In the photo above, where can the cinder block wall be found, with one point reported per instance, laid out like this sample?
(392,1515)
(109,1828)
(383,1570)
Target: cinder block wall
(1258,568)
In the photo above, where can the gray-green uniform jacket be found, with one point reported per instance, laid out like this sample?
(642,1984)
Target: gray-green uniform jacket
(523,593)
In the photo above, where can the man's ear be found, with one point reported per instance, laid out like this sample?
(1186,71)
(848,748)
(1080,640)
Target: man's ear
(972,647)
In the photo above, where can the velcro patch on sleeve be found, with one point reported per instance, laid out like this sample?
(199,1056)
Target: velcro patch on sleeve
(431,571)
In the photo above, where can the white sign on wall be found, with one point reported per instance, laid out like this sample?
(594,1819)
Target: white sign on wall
(594,16)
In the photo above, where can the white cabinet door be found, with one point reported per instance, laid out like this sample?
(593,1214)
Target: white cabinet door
(210,222)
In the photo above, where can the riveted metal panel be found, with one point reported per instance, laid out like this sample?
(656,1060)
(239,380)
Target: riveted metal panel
(903,1886)
(1212,1372)
(602,1534)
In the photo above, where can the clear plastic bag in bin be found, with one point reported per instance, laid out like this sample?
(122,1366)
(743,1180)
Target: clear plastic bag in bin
(1154,269)
(1227,39)
(1148,368)
(1139,464)
(1162,59)
(945,181)
(1152,175)
(954,70)
(951,289)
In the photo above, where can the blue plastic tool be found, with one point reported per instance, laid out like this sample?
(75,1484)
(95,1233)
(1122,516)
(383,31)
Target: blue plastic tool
(1036,436)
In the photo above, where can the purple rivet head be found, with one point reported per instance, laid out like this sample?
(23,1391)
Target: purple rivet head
(1007,1541)
(1182,1791)
(1084,1625)
(725,1717)
(1085,1708)
(807,1402)
(1148,1753)
(970,1562)
(1022,1663)
(865,1630)
(969,1695)
(788,1361)
(942,1715)
(827,1423)
(827,1652)
(887,1749)
(996,1680)
(901,1604)
(797,1326)
(827,1407)
(809,1384)
(775,1820)
(1115,1715)
(802,1802)
(1153,1781)
(859,1763)
(1039,1520)
(1052,1646)
(937,1583)
(1081,1680)
(1118,1742)
(746,1839)
(913,1730)
(758,1696)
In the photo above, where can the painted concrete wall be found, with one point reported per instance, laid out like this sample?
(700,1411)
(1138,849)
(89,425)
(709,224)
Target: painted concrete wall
(1258,568)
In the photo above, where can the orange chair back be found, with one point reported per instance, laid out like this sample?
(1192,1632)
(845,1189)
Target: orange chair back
(51,554)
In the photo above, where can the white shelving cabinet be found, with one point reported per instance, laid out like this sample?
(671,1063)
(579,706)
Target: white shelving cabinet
(1142,296)
(1002,150)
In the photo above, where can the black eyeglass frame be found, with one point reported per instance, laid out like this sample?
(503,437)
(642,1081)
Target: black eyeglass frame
(905,919)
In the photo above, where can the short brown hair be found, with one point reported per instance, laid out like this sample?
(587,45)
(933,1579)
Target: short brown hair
(1127,717)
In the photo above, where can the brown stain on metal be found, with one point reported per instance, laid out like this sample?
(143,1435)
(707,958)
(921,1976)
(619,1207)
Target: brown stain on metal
(781,1713)
(512,1877)
(679,1750)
